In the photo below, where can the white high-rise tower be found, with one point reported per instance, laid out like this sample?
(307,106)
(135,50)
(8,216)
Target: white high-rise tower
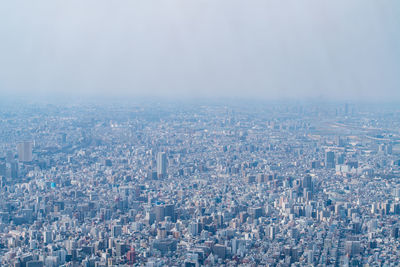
(25,151)
(161,164)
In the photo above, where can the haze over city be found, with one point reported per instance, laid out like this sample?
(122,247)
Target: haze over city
(194,133)
(338,50)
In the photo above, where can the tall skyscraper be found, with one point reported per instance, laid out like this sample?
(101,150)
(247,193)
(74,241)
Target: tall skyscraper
(159,210)
(330,159)
(169,210)
(25,151)
(14,170)
(161,164)
(307,182)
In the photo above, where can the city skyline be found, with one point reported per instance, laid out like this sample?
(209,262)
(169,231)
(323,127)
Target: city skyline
(190,133)
(169,184)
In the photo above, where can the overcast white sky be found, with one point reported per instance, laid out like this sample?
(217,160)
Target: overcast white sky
(335,49)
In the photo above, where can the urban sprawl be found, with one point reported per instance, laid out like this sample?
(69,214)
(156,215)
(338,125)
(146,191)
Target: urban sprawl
(179,184)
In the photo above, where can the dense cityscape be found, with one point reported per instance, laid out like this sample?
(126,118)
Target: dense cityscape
(199,184)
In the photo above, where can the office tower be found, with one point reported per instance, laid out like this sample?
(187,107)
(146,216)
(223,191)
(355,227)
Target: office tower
(255,212)
(352,248)
(116,230)
(169,210)
(330,159)
(307,182)
(121,249)
(47,237)
(339,141)
(161,233)
(195,228)
(14,170)
(395,232)
(272,232)
(150,218)
(220,251)
(161,164)
(152,175)
(341,158)
(315,164)
(25,151)
(307,194)
(159,210)
(250,179)
(9,157)
(131,256)
(3,168)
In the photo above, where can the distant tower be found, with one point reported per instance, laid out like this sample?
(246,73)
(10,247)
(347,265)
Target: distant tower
(159,210)
(14,170)
(169,211)
(330,159)
(161,164)
(346,109)
(25,151)
(63,138)
(131,256)
(9,157)
(341,158)
(339,141)
(47,237)
(307,182)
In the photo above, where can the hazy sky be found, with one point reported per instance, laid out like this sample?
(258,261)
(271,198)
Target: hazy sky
(341,49)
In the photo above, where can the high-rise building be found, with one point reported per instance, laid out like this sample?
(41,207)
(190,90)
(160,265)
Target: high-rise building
(169,210)
(330,159)
(25,151)
(47,237)
(116,230)
(352,248)
(14,170)
(341,158)
(9,157)
(161,164)
(3,169)
(339,141)
(159,210)
(307,182)
(121,249)
(131,256)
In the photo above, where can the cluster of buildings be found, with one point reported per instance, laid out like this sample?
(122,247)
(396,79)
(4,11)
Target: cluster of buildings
(201,185)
